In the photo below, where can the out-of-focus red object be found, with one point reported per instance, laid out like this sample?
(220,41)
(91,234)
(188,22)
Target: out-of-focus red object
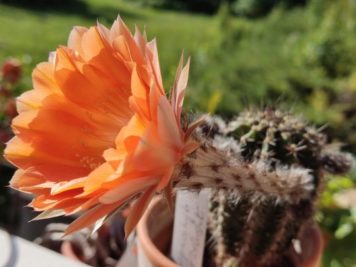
(4,136)
(11,71)
(4,92)
(10,108)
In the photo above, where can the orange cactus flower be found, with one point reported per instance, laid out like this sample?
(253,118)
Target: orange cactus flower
(98,130)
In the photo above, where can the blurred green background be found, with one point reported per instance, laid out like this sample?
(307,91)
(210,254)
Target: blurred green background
(296,54)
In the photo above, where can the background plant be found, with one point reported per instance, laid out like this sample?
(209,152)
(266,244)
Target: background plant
(10,75)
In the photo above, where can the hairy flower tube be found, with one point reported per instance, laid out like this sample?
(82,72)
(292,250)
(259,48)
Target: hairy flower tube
(98,130)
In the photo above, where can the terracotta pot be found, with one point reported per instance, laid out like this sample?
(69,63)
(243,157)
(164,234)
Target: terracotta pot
(154,233)
(312,244)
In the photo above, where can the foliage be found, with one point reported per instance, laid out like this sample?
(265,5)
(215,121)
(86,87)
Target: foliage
(337,217)
(200,6)
(308,62)
(249,8)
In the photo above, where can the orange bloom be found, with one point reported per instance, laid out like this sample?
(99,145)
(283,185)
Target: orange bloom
(97,130)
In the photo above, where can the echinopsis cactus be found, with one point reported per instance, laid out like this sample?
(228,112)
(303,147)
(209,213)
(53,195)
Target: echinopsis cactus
(254,224)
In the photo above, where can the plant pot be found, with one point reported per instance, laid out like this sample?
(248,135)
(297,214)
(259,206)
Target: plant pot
(312,242)
(154,233)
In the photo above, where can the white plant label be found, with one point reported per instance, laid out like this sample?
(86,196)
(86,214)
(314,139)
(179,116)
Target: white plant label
(190,225)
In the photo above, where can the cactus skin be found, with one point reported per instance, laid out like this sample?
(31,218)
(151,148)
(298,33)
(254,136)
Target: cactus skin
(286,139)
(254,228)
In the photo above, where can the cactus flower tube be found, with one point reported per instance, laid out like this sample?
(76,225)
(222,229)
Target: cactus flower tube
(98,130)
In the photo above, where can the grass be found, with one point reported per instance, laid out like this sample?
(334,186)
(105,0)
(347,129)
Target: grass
(29,33)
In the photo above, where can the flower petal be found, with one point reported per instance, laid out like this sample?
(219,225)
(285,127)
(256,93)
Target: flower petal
(91,216)
(128,187)
(137,210)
